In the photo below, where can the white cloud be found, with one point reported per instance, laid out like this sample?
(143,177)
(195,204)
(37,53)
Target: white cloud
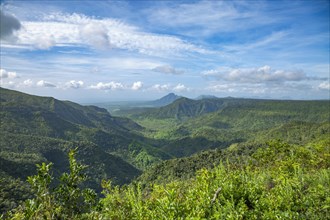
(27,83)
(262,74)
(324,86)
(167,69)
(260,90)
(137,85)
(73,84)
(180,88)
(129,63)
(45,34)
(96,35)
(108,86)
(6,74)
(43,83)
(167,87)
(79,30)
(161,88)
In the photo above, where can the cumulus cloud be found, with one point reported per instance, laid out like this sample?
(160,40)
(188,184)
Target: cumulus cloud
(43,83)
(167,69)
(6,74)
(168,87)
(180,88)
(260,90)
(96,35)
(73,84)
(161,88)
(137,85)
(27,83)
(8,25)
(257,75)
(324,86)
(108,86)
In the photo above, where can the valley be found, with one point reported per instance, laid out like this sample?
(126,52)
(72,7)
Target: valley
(172,139)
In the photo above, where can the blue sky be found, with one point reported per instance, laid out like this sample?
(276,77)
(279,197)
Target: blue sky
(95,51)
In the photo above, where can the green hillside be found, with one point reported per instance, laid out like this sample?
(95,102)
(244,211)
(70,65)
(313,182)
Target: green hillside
(182,109)
(273,181)
(42,129)
(47,117)
(166,146)
(50,117)
(232,121)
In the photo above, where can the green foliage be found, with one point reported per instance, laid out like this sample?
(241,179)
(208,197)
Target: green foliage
(41,206)
(278,181)
(66,201)
(12,192)
(182,109)
(286,182)
(42,129)
(69,194)
(233,121)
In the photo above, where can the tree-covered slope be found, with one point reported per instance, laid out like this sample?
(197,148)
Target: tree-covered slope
(234,121)
(19,153)
(45,116)
(273,181)
(26,113)
(42,129)
(182,109)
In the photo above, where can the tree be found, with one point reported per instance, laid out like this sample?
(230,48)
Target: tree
(66,201)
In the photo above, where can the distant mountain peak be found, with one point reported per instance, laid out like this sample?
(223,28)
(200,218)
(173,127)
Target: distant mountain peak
(165,100)
(170,95)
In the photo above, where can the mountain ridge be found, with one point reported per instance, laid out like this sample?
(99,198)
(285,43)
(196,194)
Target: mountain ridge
(165,100)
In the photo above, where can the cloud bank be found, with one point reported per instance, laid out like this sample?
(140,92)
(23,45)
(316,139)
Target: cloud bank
(107,86)
(263,74)
(79,30)
(4,74)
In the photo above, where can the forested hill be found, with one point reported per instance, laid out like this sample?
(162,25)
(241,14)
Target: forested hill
(184,108)
(52,114)
(190,126)
(48,117)
(43,129)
